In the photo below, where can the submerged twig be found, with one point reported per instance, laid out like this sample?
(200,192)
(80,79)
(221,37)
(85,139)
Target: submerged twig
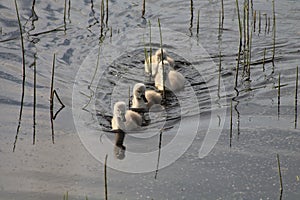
(23,76)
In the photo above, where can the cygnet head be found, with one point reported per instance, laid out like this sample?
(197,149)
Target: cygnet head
(159,56)
(139,91)
(120,110)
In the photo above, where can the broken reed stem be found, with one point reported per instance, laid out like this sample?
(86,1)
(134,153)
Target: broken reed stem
(162,60)
(198,22)
(144,8)
(244,42)
(264,59)
(34,99)
(23,76)
(274,30)
(230,136)
(240,44)
(105,177)
(279,173)
(296,97)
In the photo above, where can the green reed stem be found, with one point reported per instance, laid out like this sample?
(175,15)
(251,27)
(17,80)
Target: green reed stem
(161,47)
(192,17)
(240,44)
(279,173)
(144,8)
(23,76)
(34,99)
(274,30)
(105,178)
(264,59)
(254,20)
(222,7)
(106,19)
(198,22)
(65,16)
(230,136)
(278,94)
(150,46)
(158,157)
(129,102)
(51,97)
(259,21)
(296,97)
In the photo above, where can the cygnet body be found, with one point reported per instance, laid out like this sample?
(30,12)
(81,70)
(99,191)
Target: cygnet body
(125,120)
(172,79)
(144,99)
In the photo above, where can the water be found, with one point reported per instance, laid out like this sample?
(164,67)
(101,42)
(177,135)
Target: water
(246,170)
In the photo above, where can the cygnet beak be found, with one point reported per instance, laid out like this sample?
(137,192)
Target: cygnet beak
(144,98)
(123,118)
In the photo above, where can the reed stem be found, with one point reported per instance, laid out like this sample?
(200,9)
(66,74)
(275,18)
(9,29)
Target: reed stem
(274,30)
(198,22)
(240,44)
(106,20)
(161,47)
(264,59)
(158,157)
(222,6)
(34,99)
(278,94)
(280,176)
(296,97)
(105,178)
(144,8)
(23,76)
(230,136)
(51,97)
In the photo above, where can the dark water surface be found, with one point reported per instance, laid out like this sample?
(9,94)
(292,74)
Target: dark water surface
(243,167)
